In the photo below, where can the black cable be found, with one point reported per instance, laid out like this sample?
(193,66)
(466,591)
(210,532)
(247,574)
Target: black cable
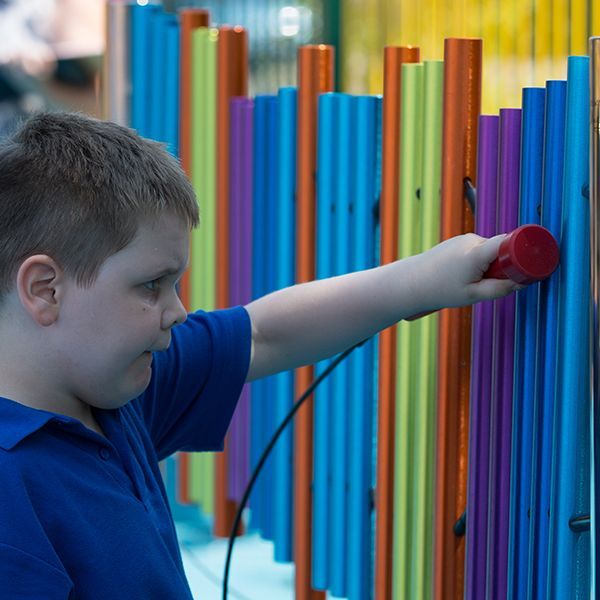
(259,465)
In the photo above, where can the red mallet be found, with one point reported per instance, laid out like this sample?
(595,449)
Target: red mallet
(528,254)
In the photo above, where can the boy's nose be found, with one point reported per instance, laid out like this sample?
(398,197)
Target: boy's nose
(175,314)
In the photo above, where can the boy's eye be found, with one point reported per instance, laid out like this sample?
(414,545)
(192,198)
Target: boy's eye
(152,286)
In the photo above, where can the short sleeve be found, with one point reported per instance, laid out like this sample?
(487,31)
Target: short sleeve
(197,382)
(26,577)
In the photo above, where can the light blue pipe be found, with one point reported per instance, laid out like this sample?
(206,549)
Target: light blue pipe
(366,182)
(139,67)
(285,276)
(568,568)
(325,192)
(259,427)
(344,144)
(270,283)
(170,125)
(157,73)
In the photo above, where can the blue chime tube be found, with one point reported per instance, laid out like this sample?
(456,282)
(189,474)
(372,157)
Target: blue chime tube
(339,399)
(157,73)
(594,52)
(554,147)
(569,551)
(285,276)
(271,258)
(260,407)
(170,125)
(361,389)
(270,217)
(325,192)
(530,200)
(139,67)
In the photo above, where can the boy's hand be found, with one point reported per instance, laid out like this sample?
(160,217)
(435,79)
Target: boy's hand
(453,272)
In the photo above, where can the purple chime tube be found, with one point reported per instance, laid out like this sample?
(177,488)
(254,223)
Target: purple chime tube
(240,241)
(245,280)
(503,365)
(481,372)
(235,134)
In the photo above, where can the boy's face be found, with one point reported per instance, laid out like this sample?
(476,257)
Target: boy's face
(108,331)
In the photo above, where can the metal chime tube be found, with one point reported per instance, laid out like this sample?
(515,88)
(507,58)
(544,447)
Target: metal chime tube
(116,75)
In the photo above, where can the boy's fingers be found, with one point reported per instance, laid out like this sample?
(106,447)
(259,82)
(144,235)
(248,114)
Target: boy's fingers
(489,248)
(496,288)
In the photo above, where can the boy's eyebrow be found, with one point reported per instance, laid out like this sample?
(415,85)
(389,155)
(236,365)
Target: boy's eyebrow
(169,271)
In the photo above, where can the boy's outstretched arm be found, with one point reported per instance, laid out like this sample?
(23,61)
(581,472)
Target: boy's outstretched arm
(305,323)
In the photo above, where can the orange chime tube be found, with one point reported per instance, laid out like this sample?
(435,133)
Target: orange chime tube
(191,18)
(394,57)
(315,76)
(232,66)
(462,102)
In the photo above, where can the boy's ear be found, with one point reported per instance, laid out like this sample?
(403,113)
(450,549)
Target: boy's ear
(39,281)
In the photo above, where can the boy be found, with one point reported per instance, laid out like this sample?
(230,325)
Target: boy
(102,376)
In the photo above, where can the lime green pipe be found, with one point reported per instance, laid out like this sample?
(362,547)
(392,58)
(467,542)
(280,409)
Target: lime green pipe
(203,166)
(411,117)
(425,396)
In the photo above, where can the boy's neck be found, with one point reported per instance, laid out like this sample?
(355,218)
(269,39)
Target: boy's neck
(94,426)
(76,409)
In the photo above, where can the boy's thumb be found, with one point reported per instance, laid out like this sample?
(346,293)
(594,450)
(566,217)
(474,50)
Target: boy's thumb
(490,248)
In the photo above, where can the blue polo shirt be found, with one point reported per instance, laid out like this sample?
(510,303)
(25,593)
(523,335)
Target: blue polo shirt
(86,517)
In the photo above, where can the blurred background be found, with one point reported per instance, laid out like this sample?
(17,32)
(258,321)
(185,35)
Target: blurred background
(50,56)
(51,50)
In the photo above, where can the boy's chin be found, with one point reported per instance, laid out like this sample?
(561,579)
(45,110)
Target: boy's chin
(110,403)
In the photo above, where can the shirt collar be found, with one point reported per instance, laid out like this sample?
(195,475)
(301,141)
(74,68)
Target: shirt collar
(18,421)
